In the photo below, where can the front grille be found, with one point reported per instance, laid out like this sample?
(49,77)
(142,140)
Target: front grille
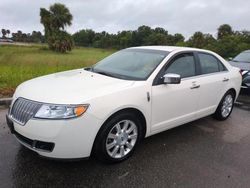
(23,110)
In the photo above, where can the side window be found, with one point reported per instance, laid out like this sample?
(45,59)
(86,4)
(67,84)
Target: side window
(209,64)
(183,64)
(222,67)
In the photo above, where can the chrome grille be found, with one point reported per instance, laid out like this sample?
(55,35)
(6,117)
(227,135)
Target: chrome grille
(23,110)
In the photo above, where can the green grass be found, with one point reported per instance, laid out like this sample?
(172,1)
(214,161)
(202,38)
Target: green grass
(20,63)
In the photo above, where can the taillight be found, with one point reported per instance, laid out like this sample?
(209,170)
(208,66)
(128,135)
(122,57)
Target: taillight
(241,72)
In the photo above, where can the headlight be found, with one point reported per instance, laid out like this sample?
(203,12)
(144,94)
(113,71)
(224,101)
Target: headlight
(48,111)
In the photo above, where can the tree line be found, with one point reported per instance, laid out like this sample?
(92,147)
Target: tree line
(19,36)
(227,42)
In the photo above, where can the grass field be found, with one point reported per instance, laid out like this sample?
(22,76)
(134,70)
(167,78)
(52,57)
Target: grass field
(20,63)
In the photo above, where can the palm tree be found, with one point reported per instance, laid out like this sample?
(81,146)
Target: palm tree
(56,18)
(54,21)
(46,21)
(8,32)
(61,17)
(3,32)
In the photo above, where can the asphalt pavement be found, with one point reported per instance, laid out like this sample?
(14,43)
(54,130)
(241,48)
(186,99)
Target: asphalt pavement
(204,153)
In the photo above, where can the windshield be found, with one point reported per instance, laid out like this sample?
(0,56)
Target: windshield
(131,64)
(243,57)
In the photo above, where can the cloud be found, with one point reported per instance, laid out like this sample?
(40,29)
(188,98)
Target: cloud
(176,16)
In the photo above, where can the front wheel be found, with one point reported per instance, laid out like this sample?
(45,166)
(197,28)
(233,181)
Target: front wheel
(118,138)
(225,107)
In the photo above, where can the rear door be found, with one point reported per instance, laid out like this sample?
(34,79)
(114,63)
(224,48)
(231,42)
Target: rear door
(213,80)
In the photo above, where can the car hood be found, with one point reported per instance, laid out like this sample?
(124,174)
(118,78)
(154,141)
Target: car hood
(70,87)
(241,65)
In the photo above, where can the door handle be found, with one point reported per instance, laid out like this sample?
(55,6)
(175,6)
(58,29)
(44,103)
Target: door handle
(225,80)
(195,87)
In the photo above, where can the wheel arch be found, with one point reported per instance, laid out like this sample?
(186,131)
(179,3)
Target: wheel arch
(233,91)
(218,113)
(132,110)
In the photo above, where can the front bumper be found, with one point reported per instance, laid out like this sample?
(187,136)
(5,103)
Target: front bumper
(61,139)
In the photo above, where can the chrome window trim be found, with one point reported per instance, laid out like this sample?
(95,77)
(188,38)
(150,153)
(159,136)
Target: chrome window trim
(204,75)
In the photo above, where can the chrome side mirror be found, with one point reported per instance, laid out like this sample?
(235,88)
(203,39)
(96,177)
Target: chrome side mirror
(171,78)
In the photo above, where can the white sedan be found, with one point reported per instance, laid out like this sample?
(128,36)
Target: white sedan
(106,110)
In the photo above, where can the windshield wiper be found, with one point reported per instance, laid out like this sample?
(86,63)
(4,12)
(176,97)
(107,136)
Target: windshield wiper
(92,69)
(88,68)
(103,73)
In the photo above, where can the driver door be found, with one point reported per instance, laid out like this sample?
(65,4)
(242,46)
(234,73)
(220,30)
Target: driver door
(176,104)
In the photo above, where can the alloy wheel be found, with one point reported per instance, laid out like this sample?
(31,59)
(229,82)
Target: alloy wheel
(121,139)
(227,106)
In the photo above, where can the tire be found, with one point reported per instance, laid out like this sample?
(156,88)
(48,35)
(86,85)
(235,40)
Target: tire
(113,145)
(225,107)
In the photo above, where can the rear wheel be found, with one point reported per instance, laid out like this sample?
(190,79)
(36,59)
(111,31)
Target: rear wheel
(118,138)
(225,107)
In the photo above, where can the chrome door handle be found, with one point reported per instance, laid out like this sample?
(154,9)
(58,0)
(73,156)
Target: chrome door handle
(225,80)
(195,87)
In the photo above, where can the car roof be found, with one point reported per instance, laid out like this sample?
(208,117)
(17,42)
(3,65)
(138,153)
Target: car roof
(168,48)
(247,51)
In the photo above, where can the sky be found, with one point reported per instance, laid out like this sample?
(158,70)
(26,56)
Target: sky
(176,16)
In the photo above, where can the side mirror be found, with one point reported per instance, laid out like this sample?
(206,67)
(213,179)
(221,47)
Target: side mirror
(230,59)
(172,78)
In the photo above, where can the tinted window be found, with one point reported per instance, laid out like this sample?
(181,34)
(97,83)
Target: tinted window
(209,64)
(183,65)
(222,67)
